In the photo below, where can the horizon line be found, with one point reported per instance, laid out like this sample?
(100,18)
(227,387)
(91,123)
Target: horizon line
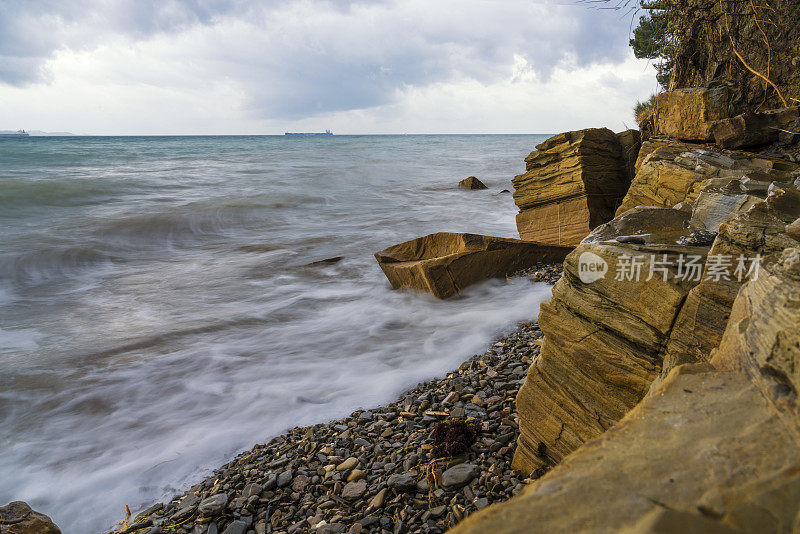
(264,135)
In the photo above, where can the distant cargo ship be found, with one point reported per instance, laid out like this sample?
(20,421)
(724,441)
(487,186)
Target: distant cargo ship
(18,133)
(326,132)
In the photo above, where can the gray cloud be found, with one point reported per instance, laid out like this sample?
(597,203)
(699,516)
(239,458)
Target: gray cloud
(299,59)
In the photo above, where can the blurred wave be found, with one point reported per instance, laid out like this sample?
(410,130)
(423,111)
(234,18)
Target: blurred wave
(162,304)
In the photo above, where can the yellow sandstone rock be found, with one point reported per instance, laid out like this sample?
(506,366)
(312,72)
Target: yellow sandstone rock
(689,114)
(603,338)
(574,182)
(715,445)
(706,453)
(677,172)
(762,339)
(445,263)
(713,449)
(750,232)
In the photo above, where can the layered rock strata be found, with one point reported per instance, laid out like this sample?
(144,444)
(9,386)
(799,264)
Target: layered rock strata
(715,449)
(572,184)
(751,237)
(715,446)
(608,339)
(606,329)
(754,129)
(672,173)
(445,263)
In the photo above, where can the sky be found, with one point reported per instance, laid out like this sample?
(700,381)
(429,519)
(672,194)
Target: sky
(160,67)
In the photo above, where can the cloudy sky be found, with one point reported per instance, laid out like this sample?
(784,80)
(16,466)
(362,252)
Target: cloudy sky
(236,67)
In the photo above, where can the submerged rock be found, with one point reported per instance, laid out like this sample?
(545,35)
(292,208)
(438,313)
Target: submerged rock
(445,263)
(326,261)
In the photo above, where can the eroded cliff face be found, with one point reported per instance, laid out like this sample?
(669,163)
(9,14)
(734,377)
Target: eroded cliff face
(714,448)
(611,340)
(766,34)
(666,402)
(603,339)
(752,229)
(573,183)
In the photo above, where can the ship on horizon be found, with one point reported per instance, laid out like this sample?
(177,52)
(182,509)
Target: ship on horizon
(18,133)
(326,132)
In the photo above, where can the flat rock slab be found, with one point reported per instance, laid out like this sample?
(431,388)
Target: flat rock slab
(445,263)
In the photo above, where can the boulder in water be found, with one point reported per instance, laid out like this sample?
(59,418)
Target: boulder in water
(444,263)
(17,517)
(471,183)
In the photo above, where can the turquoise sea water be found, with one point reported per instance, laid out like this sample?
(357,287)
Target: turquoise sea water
(158,313)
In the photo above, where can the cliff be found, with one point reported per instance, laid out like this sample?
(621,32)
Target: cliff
(664,398)
(717,42)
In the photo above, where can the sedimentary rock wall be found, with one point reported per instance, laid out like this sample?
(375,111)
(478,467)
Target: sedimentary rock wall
(752,229)
(715,446)
(572,184)
(604,338)
(607,340)
(673,172)
(763,336)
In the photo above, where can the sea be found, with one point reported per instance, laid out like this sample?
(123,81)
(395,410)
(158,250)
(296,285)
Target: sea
(161,308)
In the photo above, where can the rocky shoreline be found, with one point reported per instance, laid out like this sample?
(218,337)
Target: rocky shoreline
(376,470)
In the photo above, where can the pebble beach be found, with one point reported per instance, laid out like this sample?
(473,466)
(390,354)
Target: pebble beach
(377,470)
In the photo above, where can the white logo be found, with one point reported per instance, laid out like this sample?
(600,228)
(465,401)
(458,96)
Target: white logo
(591,267)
